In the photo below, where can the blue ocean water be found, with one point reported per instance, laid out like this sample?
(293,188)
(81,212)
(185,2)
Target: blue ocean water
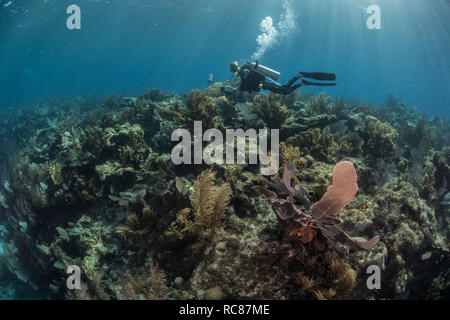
(128,46)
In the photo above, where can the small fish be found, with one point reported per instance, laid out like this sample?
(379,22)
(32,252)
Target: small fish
(44,187)
(7,4)
(44,249)
(59,265)
(7,187)
(63,233)
(426,255)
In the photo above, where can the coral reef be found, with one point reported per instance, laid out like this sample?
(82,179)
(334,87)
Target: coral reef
(319,105)
(303,226)
(208,208)
(198,106)
(382,138)
(90,182)
(270,109)
(319,143)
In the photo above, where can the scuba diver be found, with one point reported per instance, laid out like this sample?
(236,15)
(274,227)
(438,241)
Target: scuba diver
(255,76)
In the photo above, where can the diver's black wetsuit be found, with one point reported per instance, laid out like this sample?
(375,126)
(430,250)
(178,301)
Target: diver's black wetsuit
(251,80)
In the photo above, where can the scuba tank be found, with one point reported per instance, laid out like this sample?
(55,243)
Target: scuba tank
(265,71)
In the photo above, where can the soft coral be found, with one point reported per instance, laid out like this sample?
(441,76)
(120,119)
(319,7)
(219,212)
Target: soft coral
(321,216)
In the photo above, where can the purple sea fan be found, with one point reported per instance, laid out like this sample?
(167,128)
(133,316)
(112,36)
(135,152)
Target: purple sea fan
(302,225)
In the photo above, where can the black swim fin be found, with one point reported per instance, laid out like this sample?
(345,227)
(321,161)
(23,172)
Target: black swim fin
(319,76)
(308,83)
